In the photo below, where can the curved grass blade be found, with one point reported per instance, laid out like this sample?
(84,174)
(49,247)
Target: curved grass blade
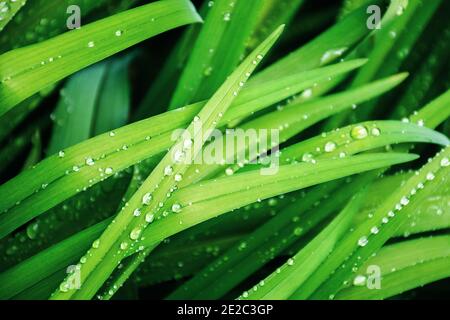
(23,69)
(126,146)
(99,265)
(219,196)
(292,120)
(403,266)
(371,234)
(282,283)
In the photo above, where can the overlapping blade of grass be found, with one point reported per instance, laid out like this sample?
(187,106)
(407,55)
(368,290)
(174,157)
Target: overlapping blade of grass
(159,94)
(74,115)
(8,9)
(404,266)
(282,283)
(318,52)
(218,49)
(213,291)
(48,261)
(422,82)
(430,190)
(345,141)
(427,212)
(223,267)
(69,217)
(294,177)
(63,221)
(23,69)
(369,236)
(129,145)
(389,51)
(294,119)
(219,196)
(266,242)
(361,49)
(38,21)
(129,224)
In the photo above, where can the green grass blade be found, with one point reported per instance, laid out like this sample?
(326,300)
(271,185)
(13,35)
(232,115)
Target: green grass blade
(404,266)
(220,196)
(159,184)
(74,115)
(363,241)
(143,140)
(217,51)
(23,69)
(282,283)
(8,9)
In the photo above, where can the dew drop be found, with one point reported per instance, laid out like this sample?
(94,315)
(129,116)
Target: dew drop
(307,93)
(374,230)
(363,241)
(229,171)
(375,132)
(359,132)
(64,287)
(178,177)
(135,233)
(187,144)
(118,33)
(307,157)
(90,161)
(359,281)
(124,245)
(445,162)
(331,55)
(430,176)
(290,262)
(147,198)
(96,244)
(404,201)
(91,44)
(168,171)
(176,208)
(330,146)
(108,171)
(61,154)
(32,231)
